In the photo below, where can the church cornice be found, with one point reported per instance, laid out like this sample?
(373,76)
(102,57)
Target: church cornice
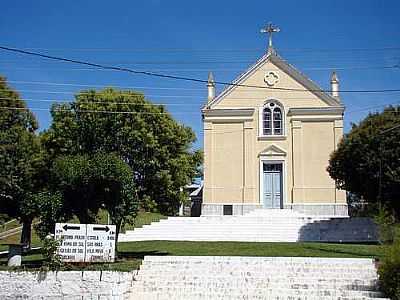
(232,112)
(301,111)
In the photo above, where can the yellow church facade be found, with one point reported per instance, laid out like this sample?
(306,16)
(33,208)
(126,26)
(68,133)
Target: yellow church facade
(267,142)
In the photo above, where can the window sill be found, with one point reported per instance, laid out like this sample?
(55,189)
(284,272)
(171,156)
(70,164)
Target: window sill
(271,137)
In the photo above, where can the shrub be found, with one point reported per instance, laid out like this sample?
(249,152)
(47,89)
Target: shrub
(389,272)
(386,222)
(52,260)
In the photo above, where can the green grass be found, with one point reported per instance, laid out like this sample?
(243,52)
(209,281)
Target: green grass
(131,254)
(9,225)
(145,218)
(13,239)
(139,249)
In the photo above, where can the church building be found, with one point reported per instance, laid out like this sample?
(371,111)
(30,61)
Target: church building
(267,141)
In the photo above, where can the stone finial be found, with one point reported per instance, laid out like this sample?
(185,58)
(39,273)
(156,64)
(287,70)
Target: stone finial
(334,85)
(211,87)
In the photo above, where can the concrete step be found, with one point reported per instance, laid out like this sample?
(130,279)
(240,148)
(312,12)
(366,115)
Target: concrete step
(260,259)
(223,277)
(243,274)
(262,282)
(252,292)
(213,296)
(245,269)
(261,225)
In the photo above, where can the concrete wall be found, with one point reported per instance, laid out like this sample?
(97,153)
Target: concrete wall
(234,149)
(68,285)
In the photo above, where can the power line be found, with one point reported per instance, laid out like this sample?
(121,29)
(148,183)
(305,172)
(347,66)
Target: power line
(372,107)
(396,66)
(134,88)
(94,111)
(147,96)
(98,102)
(216,62)
(390,129)
(105,85)
(166,76)
(175,104)
(100,49)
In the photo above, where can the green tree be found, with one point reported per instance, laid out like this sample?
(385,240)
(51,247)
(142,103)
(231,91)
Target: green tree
(21,160)
(367,160)
(88,183)
(144,135)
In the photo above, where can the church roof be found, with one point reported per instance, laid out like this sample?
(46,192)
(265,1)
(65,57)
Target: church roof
(282,64)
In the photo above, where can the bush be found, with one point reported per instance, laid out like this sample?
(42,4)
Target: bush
(52,260)
(386,224)
(389,272)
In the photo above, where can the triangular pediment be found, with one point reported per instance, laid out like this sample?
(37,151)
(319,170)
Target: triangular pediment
(273,150)
(284,66)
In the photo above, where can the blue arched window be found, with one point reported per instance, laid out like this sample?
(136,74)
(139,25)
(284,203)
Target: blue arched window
(272,119)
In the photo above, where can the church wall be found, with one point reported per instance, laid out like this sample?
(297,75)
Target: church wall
(233,149)
(318,143)
(250,97)
(232,164)
(224,158)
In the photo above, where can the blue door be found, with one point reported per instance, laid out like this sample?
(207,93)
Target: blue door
(272,185)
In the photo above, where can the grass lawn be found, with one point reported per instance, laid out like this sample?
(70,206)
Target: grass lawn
(131,254)
(9,225)
(140,249)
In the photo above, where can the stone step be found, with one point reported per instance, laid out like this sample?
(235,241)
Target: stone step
(300,259)
(200,234)
(204,296)
(207,239)
(177,290)
(252,282)
(243,270)
(261,263)
(244,275)
(239,227)
(224,277)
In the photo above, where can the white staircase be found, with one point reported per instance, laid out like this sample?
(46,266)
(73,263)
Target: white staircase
(260,225)
(224,277)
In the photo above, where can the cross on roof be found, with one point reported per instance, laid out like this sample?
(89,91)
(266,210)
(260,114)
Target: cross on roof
(270,29)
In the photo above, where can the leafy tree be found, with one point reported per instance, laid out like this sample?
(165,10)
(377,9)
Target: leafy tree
(21,160)
(367,160)
(90,182)
(50,206)
(144,135)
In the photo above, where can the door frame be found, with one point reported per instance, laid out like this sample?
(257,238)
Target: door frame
(265,160)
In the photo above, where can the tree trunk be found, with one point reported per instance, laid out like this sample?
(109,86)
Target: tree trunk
(117,230)
(26,234)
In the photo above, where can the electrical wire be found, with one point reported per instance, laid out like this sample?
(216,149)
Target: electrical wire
(396,66)
(167,76)
(90,49)
(99,102)
(93,111)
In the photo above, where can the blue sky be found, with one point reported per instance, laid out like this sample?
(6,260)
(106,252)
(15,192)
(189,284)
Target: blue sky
(188,38)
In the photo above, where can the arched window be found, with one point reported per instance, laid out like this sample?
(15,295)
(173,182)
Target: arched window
(267,121)
(272,119)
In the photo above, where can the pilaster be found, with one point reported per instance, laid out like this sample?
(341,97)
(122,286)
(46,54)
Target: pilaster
(208,157)
(248,162)
(297,162)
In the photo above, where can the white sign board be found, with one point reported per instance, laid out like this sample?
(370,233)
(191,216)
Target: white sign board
(100,243)
(86,242)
